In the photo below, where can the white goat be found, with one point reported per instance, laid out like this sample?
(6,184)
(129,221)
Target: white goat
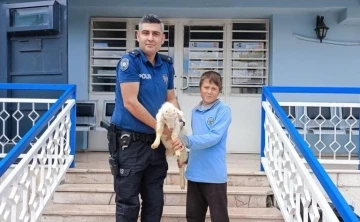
(170,116)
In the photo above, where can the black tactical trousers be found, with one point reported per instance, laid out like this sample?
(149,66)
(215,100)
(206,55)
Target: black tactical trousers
(200,196)
(142,171)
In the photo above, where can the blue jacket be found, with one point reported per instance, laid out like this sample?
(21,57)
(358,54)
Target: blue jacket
(207,157)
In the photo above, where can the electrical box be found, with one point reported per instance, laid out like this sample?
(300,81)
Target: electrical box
(32,16)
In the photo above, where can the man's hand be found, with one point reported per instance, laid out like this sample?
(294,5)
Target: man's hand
(178,144)
(167,132)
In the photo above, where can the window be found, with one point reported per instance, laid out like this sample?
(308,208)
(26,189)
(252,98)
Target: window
(249,57)
(36,16)
(241,53)
(237,49)
(203,51)
(108,43)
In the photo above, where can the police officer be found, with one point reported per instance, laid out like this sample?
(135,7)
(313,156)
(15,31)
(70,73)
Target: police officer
(145,80)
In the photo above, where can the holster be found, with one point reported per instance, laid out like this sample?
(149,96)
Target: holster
(113,136)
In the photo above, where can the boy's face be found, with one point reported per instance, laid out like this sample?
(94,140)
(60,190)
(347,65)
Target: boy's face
(209,92)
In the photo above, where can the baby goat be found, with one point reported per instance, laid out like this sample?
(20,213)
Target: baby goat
(170,116)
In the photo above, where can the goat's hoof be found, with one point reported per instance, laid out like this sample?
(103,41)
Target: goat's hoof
(154,145)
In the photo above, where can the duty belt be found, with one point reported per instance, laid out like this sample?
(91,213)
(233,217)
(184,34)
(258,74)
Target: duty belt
(143,137)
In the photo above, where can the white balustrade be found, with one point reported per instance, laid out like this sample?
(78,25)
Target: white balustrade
(25,191)
(331,130)
(298,196)
(11,113)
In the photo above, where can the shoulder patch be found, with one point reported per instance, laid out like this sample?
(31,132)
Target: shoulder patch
(124,64)
(166,58)
(134,52)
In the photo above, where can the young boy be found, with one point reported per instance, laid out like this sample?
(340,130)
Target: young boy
(207,171)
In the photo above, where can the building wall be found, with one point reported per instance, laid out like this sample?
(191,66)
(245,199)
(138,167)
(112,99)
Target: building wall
(301,63)
(292,61)
(241,4)
(348,184)
(304,63)
(78,47)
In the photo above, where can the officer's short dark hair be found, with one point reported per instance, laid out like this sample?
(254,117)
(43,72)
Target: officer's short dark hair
(213,77)
(152,19)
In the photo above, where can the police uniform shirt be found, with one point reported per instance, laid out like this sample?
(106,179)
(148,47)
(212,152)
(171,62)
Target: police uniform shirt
(155,81)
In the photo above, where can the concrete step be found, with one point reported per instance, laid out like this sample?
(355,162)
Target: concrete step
(96,194)
(103,176)
(106,213)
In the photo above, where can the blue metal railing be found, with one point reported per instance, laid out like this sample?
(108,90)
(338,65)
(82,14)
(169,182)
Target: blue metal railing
(337,199)
(19,148)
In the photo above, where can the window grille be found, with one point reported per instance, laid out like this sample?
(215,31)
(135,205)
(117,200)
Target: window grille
(108,43)
(237,49)
(203,51)
(206,48)
(249,66)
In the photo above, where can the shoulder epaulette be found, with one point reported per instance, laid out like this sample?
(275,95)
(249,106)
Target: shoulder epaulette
(134,52)
(166,58)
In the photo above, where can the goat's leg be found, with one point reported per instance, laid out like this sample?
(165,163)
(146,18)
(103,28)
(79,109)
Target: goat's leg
(183,157)
(175,135)
(181,161)
(159,131)
(182,177)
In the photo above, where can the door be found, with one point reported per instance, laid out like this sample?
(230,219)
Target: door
(110,38)
(202,49)
(238,51)
(34,45)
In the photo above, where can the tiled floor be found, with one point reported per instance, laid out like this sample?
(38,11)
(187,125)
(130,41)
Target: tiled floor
(235,162)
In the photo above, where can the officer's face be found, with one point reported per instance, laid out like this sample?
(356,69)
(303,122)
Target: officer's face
(209,92)
(150,38)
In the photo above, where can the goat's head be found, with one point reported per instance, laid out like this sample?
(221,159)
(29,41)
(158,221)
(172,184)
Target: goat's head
(171,116)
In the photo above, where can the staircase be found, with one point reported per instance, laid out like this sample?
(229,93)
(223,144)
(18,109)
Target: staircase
(87,195)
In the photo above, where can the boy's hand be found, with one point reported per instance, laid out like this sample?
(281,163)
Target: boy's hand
(178,144)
